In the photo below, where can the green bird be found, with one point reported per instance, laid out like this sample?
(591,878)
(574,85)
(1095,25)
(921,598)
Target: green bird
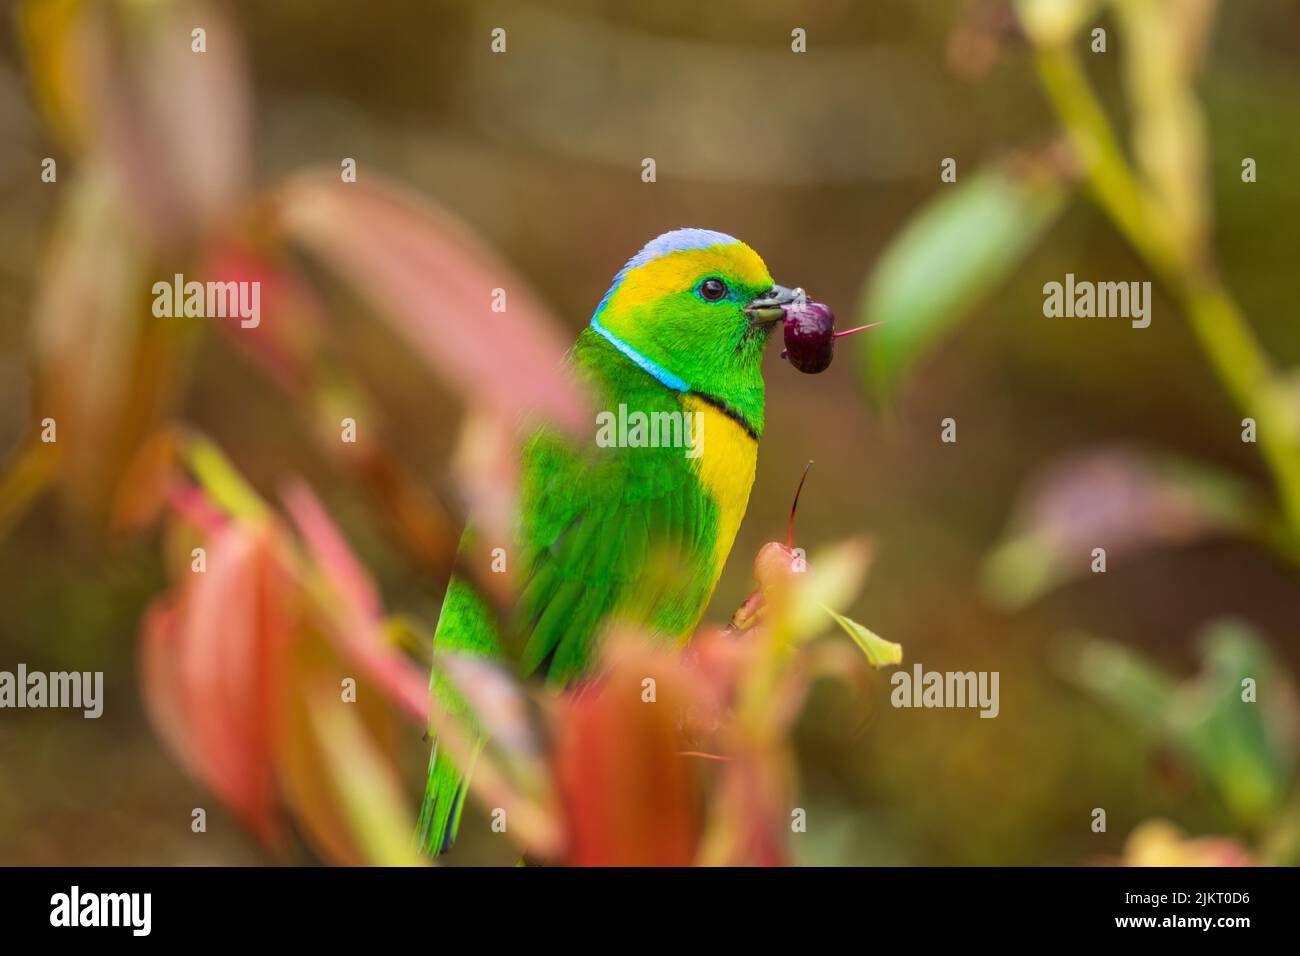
(637,524)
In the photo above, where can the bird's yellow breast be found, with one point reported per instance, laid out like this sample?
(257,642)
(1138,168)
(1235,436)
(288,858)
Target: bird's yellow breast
(725,469)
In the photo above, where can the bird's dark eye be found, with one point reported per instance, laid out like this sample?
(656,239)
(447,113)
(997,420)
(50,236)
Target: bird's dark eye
(713,289)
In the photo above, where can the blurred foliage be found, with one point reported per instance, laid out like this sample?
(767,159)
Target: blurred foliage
(828,165)
(964,244)
(1129,499)
(1236,724)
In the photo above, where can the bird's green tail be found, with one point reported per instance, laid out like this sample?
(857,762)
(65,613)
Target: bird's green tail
(465,627)
(444,799)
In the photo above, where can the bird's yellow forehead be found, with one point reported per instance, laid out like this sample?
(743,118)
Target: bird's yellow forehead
(681,270)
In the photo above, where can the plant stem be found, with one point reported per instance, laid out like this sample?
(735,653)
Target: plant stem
(1221,330)
(1114,187)
(1230,345)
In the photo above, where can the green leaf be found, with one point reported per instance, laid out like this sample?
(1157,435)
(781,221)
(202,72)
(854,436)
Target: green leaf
(1125,680)
(958,249)
(1242,747)
(840,571)
(880,652)
(1245,747)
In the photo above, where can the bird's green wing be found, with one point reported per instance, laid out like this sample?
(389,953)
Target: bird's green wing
(625,533)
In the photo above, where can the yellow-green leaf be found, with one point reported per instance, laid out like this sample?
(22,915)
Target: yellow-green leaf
(880,652)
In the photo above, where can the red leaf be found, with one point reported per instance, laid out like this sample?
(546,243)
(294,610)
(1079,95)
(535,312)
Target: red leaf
(286,342)
(432,279)
(172,125)
(211,668)
(624,782)
(356,628)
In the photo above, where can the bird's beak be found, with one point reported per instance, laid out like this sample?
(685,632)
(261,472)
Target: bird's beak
(769,308)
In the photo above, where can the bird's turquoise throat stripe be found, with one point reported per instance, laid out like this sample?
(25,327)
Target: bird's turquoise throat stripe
(660,373)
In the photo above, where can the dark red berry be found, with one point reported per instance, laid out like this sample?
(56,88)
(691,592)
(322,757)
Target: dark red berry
(809,336)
